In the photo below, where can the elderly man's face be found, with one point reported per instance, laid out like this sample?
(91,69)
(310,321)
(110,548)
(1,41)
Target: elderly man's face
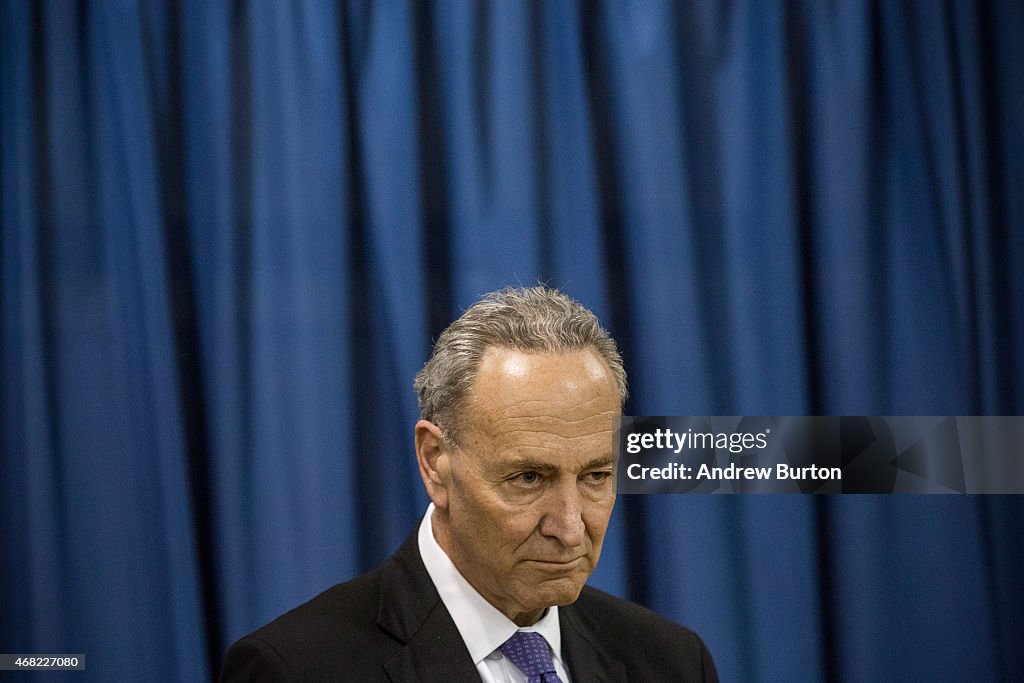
(531,488)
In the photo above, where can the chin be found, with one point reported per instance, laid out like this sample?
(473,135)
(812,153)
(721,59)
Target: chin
(559,592)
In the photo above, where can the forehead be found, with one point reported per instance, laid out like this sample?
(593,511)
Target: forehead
(542,399)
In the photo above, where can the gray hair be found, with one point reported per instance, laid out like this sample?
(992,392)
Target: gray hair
(524,319)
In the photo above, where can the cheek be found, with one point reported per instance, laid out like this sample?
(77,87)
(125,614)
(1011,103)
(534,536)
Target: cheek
(496,529)
(596,515)
(516,528)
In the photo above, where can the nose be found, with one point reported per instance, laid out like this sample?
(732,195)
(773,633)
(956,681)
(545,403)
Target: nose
(563,518)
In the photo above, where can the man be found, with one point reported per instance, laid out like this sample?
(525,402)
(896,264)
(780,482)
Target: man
(514,446)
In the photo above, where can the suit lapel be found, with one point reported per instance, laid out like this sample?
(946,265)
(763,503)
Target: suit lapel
(586,660)
(434,652)
(412,611)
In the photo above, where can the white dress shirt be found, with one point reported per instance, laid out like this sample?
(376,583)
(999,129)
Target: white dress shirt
(482,627)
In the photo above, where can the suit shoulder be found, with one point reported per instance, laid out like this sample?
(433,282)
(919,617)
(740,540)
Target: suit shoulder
(337,625)
(643,634)
(352,603)
(610,609)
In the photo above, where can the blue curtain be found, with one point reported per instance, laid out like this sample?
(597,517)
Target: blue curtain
(231,230)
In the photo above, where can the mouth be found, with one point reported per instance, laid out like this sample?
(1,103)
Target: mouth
(559,565)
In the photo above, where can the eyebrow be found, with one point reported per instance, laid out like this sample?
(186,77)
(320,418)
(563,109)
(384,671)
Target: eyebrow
(533,465)
(602,461)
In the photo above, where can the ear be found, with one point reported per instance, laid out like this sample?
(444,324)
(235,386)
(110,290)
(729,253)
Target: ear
(433,457)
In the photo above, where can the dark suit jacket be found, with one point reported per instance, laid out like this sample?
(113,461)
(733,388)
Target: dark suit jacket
(391,625)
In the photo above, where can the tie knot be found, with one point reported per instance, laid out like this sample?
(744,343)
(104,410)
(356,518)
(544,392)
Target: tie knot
(530,653)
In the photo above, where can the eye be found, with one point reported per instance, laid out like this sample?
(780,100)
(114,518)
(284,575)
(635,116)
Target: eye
(597,476)
(528,477)
(527,481)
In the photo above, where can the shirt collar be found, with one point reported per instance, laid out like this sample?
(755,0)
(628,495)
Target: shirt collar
(483,628)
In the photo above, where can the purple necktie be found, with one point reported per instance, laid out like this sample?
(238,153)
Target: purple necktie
(530,652)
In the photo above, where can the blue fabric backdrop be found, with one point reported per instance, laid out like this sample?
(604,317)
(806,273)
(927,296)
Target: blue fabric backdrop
(230,231)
